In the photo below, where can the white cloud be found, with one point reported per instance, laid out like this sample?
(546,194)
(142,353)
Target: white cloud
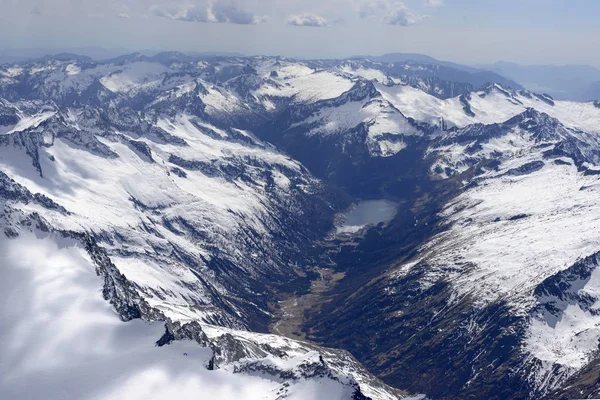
(231,13)
(371,7)
(307,20)
(394,12)
(434,3)
(181,13)
(401,15)
(218,12)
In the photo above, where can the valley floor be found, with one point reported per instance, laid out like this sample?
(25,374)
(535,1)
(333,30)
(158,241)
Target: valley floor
(291,312)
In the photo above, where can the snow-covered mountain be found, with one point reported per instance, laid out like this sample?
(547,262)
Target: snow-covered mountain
(204,192)
(188,220)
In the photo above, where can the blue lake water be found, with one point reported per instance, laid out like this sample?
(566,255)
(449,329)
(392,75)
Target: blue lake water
(368,212)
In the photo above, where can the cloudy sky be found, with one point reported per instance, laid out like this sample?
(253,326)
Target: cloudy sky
(467,31)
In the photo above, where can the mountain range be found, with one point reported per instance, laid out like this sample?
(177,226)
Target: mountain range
(196,208)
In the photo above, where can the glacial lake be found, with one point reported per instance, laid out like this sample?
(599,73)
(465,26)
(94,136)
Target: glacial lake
(368,212)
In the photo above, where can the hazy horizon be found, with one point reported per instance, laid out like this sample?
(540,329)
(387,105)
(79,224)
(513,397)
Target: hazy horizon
(100,53)
(529,32)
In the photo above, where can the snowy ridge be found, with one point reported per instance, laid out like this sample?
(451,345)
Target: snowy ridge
(231,92)
(359,116)
(491,104)
(460,149)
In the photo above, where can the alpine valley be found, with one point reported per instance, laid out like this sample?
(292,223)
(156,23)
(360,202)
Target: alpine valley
(268,228)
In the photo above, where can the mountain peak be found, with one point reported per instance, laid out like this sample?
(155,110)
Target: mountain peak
(495,87)
(535,120)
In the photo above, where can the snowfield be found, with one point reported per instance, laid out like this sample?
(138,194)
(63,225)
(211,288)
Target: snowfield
(135,76)
(493,105)
(494,239)
(301,82)
(376,114)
